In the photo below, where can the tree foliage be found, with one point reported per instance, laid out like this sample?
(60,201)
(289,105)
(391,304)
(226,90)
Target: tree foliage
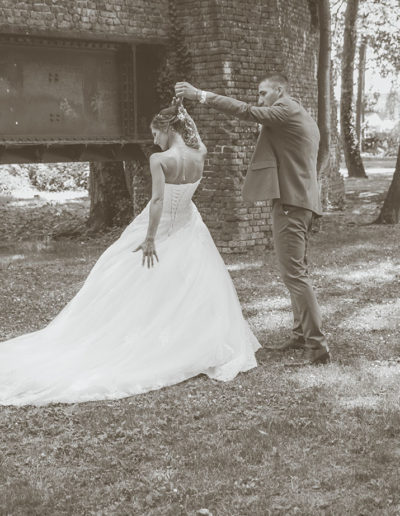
(379,22)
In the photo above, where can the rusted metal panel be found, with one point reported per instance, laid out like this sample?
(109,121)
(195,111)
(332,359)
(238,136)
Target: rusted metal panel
(56,93)
(63,89)
(38,153)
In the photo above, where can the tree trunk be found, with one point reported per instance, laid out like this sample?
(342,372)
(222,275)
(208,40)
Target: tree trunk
(360,91)
(324,94)
(352,154)
(138,177)
(110,202)
(391,207)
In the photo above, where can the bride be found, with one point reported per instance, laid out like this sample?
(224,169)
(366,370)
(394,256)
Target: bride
(132,329)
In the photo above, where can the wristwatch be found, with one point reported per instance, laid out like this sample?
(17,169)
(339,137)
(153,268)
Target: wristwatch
(201,96)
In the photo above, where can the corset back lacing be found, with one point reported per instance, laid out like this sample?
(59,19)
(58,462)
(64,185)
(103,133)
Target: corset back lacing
(178,203)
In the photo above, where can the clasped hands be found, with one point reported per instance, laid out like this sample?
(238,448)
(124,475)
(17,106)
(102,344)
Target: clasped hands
(149,251)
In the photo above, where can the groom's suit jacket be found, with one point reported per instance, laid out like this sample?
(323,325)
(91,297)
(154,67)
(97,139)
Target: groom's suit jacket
(284,162)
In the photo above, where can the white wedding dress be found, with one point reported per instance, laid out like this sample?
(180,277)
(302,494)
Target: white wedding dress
(131,329)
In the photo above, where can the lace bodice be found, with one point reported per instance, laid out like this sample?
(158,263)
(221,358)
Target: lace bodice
(178,205)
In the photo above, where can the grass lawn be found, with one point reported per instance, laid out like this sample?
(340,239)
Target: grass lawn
(275,441)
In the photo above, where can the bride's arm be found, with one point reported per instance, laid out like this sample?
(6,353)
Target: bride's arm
(157,195)
(156,206)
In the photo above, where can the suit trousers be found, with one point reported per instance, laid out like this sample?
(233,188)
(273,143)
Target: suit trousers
(291,226)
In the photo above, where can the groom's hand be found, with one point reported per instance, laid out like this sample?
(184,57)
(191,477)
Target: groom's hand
(186,91)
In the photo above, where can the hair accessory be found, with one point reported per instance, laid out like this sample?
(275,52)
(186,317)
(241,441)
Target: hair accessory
(176,117)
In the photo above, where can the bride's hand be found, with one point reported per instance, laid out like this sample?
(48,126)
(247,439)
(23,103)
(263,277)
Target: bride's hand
(149,251)
(185,90)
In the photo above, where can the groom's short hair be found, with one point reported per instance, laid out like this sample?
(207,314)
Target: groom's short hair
(277,79)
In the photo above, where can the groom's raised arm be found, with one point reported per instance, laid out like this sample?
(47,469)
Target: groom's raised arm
(270,116)
(277,114)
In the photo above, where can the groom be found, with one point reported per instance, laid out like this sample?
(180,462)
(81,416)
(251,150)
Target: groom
(283,169)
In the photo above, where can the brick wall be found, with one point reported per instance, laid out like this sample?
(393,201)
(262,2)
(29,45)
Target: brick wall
(137,18)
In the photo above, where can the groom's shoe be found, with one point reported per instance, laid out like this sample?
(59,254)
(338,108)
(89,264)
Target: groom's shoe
(312,357)
(293,343)
(316,356)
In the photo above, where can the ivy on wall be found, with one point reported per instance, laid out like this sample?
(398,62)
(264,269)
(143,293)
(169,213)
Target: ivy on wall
(177,63)
(313,8)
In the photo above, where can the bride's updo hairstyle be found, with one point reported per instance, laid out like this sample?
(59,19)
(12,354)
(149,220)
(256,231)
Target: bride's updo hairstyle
(177,118)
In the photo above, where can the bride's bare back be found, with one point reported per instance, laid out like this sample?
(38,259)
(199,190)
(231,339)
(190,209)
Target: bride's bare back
(183,164)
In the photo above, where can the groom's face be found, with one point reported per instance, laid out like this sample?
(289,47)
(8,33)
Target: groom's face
(268,93)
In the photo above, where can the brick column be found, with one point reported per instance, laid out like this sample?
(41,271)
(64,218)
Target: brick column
(234,43)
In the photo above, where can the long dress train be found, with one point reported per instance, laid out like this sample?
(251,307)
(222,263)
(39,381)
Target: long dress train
(131,329)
